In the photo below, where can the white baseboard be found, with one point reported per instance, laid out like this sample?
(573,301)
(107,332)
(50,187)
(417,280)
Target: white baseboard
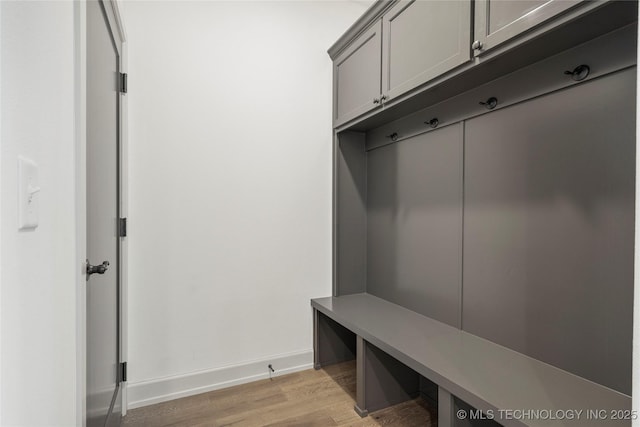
(146,393)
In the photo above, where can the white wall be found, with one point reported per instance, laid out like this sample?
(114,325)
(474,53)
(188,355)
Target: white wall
(230,188)
(0,216)
(38,325)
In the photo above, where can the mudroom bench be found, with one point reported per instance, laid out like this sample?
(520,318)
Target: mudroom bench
(401,354)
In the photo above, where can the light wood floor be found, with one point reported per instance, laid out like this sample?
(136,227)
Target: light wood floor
(310,398)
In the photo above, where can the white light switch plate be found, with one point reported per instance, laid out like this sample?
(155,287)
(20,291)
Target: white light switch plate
(28,196)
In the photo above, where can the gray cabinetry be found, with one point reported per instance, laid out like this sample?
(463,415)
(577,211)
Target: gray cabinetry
(497,21)
(484,212)
(405,53)
(356,76)
(421,40)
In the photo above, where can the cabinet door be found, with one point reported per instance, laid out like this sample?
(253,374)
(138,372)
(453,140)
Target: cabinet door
(499,20)
(423,39)
(356,76)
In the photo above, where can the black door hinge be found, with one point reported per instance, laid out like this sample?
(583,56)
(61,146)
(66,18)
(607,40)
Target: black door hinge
(123,371)
(122,227)
(123,82)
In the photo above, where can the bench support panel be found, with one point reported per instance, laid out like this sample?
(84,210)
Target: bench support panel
(445,408)
(361,404)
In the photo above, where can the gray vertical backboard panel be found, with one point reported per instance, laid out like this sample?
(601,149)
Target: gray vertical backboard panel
(350,210)
(414,230)
(548,228)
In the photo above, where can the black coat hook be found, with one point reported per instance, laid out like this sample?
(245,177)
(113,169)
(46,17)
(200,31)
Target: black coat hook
(490,103)
(393,136)
(433,122)
(579,73)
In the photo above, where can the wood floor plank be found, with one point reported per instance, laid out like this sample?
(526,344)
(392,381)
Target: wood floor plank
(313,398)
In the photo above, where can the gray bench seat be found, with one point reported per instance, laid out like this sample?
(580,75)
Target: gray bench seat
(491,378)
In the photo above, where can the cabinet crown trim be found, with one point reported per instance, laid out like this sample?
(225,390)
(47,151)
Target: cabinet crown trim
(374,12)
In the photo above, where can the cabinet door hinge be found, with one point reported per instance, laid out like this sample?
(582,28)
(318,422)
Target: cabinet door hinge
(122,227)
(123,371)
(123,82)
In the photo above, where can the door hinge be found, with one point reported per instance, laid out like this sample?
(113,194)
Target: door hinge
(122,227)
(123,82)
(123,371)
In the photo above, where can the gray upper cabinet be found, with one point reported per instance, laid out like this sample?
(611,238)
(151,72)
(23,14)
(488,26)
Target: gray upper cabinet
(497,21)
(399,47)
(421,40)
(356,76)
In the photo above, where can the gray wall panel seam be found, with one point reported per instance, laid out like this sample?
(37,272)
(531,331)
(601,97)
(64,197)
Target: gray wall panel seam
(366,217)
(464,145)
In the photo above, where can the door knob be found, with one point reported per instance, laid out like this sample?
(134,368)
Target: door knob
(99,269)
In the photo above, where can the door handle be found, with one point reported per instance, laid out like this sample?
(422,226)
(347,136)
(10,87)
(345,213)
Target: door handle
(99,269)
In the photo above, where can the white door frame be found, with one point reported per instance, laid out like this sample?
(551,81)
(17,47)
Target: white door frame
(80,29)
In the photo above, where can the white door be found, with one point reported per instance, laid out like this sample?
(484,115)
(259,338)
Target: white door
(103,361)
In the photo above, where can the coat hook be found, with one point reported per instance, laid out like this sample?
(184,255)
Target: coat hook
(433,122)
(579,73)
(490,103)
(393,136)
